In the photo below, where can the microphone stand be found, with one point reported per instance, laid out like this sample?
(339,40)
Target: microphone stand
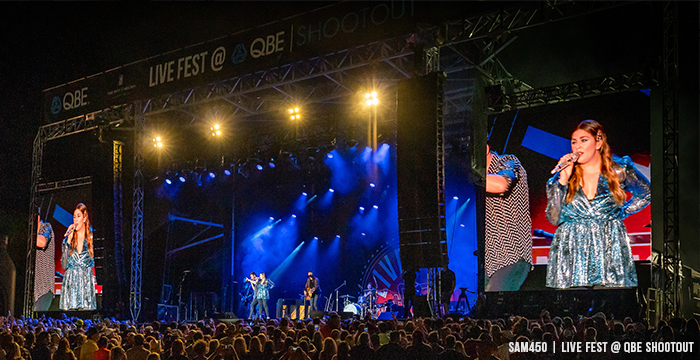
(329,305)
(336,294)
(179,300)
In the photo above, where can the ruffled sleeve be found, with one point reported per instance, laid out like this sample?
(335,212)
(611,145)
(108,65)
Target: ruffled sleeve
(637,184)
(510,170)
(46,230)
(555,199)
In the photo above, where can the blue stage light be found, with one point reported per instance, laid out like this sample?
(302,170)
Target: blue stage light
(272,219)
(227,172)
(259,167)
(331,190)
(362,208)
(182,179)
(330,156)
(304,194)
(371,185)
(315,238)
(337,237)
(167,181)
(212,175)
(271,165)
(461,225)
(294,216)
(363,234)
(375,207)
(455,198)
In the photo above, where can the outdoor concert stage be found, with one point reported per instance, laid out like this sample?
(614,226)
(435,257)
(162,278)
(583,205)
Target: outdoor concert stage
(201,179)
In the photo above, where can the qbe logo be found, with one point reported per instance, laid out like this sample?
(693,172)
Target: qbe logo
(56,105)
(239,54)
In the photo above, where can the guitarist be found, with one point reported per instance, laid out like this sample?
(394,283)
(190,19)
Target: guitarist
(312,290)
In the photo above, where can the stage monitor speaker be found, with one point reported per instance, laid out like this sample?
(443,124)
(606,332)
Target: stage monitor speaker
(167,313)
(317,314)
(230,316)
(420,171)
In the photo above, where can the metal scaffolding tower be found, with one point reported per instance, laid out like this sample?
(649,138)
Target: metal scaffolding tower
(670,259)
(137,219)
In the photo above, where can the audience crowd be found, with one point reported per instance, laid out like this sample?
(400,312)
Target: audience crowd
(331,338)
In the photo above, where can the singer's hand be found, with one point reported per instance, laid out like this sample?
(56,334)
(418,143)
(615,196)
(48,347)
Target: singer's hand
(70,230)
(566,172)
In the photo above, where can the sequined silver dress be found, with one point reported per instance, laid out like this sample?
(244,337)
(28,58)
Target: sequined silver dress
(591,246)
(78,289)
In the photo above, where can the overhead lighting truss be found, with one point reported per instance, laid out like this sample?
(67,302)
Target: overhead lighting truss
(573,91)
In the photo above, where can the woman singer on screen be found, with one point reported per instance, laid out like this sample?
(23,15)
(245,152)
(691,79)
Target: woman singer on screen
(586,200)
(78,258)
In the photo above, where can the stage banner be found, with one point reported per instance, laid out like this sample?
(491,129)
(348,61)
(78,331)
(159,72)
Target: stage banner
(316,33)
(73,99)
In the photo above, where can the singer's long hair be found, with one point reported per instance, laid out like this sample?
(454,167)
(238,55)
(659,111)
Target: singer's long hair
(88,232)
(607,165)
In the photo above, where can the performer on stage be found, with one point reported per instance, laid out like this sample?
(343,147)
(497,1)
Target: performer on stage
(411,289)
(312,290)
(370,292)
(78,258)
(45,267)
(370,298)
(248,295)
(508,247)
(262,294)
(586,200)
(447,288)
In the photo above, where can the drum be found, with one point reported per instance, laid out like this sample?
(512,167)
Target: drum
(353,308)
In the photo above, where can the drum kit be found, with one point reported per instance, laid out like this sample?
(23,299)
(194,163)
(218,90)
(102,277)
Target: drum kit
(368,302)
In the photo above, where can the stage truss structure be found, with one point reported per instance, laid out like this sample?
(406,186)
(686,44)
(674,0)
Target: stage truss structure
(670,271)
(460,48)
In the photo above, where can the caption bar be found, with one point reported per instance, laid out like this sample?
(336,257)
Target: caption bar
(615,347)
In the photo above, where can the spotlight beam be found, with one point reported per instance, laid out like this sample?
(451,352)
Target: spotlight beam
(286,262)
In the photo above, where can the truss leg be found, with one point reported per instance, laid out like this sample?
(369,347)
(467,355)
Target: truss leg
(670,259)
(137,221)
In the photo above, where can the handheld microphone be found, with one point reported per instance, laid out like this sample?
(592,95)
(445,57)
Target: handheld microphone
(69,231)
(542,233)
(572,159)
